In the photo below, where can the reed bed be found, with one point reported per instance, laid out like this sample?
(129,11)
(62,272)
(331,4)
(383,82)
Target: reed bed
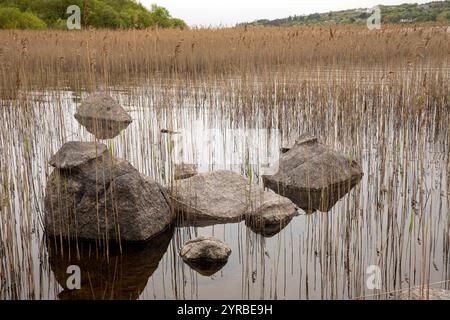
(88,58)
(236,95)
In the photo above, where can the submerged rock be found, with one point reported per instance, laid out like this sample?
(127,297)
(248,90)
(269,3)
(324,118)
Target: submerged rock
(102,116)
(184,171)
(107,272)
(93,195)
(271,212)
(225,196)
(267,230)
(312,175)
(207,255)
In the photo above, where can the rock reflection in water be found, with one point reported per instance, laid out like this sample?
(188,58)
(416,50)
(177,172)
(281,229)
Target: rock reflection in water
(322,200)
(102,128)
(116,275)
(186,220)
(257,226)
(206,268)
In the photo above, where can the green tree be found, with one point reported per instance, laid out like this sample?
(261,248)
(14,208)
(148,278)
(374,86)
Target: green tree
(102,15)
(95,13)
(444,16)
(13,18)
(135,18)
(161,16)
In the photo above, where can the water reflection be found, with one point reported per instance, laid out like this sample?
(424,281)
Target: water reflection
(206,269)
(186,220)
(322,200)
(257,226)
(102,128)
(107,273)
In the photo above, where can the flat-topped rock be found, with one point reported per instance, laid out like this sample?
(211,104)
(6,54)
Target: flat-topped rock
(73,154)
(313,175)
(104,198)
(226,196)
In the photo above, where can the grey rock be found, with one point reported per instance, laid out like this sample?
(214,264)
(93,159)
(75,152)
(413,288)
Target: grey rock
(225,196)
(103,198)
(206,255)
(73,154)
(205,249)
(102,106)
(270,211)
(267,230)
(184,171)
(102,116)
(312,175)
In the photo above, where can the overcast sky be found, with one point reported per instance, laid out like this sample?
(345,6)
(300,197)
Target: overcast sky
(230,12)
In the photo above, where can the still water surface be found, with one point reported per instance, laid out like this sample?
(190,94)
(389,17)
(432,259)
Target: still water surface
(396,218)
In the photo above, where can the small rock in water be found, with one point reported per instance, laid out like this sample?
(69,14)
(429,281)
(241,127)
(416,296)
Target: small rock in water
(102,116)
(267,230)
(207,255)
(102,106)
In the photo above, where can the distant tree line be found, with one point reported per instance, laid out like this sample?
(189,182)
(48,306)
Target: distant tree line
(437,11)
(116,14)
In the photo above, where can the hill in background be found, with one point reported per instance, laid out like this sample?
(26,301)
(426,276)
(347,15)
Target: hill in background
(438,11)
(41,14)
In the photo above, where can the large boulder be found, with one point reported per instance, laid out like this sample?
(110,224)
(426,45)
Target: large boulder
(312,175)
(107,272)
(102,116)
(207,255)
(93,195)
(225,196)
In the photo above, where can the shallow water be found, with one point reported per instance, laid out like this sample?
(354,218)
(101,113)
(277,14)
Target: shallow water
(396,218)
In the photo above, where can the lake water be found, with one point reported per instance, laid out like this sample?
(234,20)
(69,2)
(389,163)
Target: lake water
(396,218)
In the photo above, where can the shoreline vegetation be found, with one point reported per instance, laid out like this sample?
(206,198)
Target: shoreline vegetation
(100,14)
(130,14)
(431,12)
